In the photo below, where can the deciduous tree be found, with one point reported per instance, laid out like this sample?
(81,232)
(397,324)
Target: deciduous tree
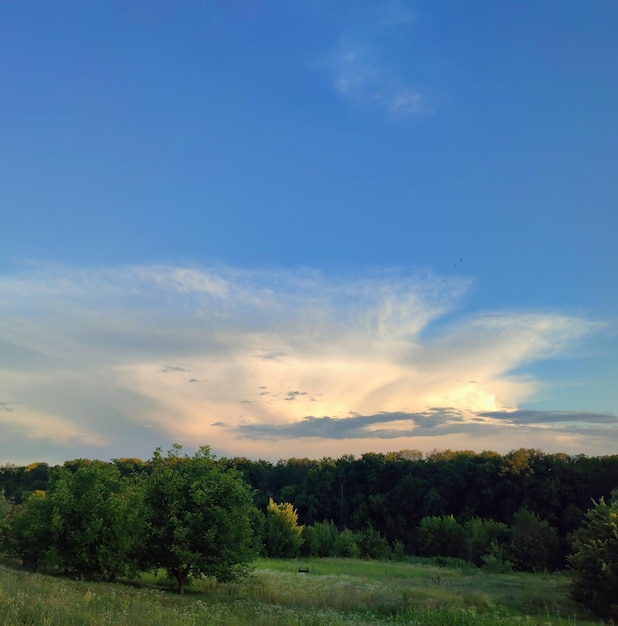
(440,536)
(94,520)
(534,542)
(30,533)
(199,517)
(282,533)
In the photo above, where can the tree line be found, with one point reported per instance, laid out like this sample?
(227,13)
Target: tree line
(197,515)
(391,493)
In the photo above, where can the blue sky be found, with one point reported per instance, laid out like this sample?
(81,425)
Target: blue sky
(307,228)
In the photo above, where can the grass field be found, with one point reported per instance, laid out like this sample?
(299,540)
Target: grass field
(335,592)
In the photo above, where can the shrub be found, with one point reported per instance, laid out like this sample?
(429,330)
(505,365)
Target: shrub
(398,552)
(499,558)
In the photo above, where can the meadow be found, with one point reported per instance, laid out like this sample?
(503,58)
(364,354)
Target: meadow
(335,592)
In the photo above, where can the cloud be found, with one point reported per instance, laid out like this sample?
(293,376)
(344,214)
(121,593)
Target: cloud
(366,66)
(91,359)
(292,395)
(380,426)
(269,355)
(553,418)
(434,422)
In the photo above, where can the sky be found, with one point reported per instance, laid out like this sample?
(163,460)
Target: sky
(305,229)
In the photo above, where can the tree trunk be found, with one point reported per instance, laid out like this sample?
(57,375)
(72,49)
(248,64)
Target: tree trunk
(181,577)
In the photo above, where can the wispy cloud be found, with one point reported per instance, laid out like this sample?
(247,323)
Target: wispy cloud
(173,368)
(553,418)
(104,358)
(366,63)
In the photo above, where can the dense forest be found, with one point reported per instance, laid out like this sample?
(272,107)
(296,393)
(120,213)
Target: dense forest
(392,493)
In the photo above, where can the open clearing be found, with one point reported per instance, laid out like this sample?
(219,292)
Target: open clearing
(335,592)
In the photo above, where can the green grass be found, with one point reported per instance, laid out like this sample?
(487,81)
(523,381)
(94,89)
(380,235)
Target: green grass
(337,592)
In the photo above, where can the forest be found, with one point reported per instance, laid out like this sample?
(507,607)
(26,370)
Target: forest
(525,510)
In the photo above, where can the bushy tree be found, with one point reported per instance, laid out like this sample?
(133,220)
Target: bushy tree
(372,545)
(440,536)
(324,539)
(282,533)
(595,560)
(5,520)
(534,542)
(319,539)
(481,535)
(499,558)
(199,518)
(31,536)
(346,544)
(94,520)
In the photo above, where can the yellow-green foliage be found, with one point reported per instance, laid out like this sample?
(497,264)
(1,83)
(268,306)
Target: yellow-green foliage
(283,534)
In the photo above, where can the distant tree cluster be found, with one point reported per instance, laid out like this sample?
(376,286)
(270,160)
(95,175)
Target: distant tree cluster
(392,493)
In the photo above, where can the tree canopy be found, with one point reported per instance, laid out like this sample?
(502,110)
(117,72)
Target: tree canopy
(199,518)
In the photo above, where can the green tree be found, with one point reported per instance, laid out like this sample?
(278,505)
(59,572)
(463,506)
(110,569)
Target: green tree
(319,539)
(346,544)
(534,542)
(282,533)
(30,534)
(479,536)
(5,520)
(440,536)
(199,517)
(595,560)
(372,545)
(324,539)
(94,520)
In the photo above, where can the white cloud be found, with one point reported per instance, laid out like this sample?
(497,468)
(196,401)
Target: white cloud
(367,70)
(404,102)
(120,357)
